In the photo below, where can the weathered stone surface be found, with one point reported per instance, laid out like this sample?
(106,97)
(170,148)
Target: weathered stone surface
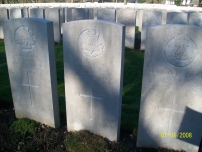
(53,14)
(25,12)
(93,65)
(127,17)
(3,17)
(31,63)
(37,12)
(106,14)
(176,18)
(91,13)
(164,16)
(139,17)
(73,14)
(195,19)
(95,10)
(62,17)
(170,111)
(150,18)
(15,13)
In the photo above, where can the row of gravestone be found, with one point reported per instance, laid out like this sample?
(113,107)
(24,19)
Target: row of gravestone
(90,5)
(98,5)
(93,74)
(129,17)
(170,112)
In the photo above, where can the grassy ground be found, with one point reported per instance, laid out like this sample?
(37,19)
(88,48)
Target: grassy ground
(133,68)
(5,91)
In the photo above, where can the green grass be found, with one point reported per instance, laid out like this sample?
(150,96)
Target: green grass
(5,90)
(84,141)
(132,81)
(60,78)
(24,126)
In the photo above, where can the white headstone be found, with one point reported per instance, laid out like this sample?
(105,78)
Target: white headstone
(127,17)
(53,14)
(15,13)
(25,12)
(170,110)
(93,59)
(91,13)
(176,18)
(95,10)
(62,17)
(37,12)
(195,19)
(3,17)
(150,18)
(73,14)
(106,14)
(139,17)
(164,16)
(30,53)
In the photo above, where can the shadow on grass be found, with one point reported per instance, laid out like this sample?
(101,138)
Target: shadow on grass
(5,90)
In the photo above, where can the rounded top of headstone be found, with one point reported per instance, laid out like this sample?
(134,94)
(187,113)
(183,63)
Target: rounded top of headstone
(24,38)
(180,50)
(91,43)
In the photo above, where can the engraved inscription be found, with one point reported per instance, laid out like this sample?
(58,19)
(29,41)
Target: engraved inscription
(91,43)
(24,38)
(29,85)
(28,61)
(89,69)
(180,50)
(92,98)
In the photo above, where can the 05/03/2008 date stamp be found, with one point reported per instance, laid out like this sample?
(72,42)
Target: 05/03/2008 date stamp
(176,135)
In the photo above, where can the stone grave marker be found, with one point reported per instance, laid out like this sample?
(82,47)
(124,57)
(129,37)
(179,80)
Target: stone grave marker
(25,12)
(95,10)
(127,17)
(62,17)
(93,65)
(139,16)
(170,110)
(106,14)
(176,18)
(3,17)
(73,14)
(195,19)
(15,13)
(37,12)
(164,16)
(31,63)
(53,14)
(150,18)
(91,13)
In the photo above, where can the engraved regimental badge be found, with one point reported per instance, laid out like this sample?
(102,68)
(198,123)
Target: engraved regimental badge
(91,43)
(24,38)
(180,50)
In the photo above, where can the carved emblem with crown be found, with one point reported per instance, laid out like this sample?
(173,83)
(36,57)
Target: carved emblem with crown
(24,38)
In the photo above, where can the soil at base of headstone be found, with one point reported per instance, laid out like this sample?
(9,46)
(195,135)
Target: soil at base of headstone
(41,140)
